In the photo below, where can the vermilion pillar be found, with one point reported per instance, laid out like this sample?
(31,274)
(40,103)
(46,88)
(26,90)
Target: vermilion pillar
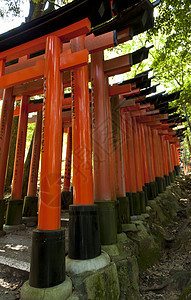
(139,206)
(117,142)
(84,235)
(165,160)
(81,139)
(15,205)
(102,188)
(31,200)
(143,162)
(66,194)
(110,139)
(170,163)
(157,160)
(5,133)
(118,158)
(67,174)
(48,243)
(132,194)
(101,151)
(124,145)
(50,181)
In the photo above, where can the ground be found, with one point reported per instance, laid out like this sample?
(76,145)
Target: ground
(164,280)
(172,274)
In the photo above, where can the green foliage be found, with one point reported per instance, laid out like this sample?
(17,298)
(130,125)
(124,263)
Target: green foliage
(10,7)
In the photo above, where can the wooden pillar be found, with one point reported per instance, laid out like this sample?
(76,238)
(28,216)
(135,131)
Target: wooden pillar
(84,234)
(5,134)
(67,173)
(31,200)
(48,243)
(50,181)
(15,205)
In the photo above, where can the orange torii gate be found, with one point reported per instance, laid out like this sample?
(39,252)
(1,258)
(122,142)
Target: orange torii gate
(49,202)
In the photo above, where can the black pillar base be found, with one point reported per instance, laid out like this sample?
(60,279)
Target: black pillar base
(118,216)
(136,203)
(142,202)
(145,190)
(2,213)
(150,193)
(107,221)
(124,210)
(159,181)
(177,169)
(30,207)
(66,199)
(14,212)
(174,172)
(154,189)
(164,183)
(84,232)
(130,197)
(171,175)
(167,179)
(47,258)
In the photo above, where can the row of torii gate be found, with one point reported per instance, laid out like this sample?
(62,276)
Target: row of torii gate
(129,133)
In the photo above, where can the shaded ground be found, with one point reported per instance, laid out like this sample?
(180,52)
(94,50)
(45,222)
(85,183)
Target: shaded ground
(172,274)
(15,253)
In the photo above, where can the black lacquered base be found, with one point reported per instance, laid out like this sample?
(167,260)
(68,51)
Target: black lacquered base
(136,203)
(130,197)
(118,216)
(47,258)
(124,210)
(107,221)
(142,202)
(84,232)
(177,169)
(167,179)
(172,177)
(30,207)
(2,213)
(14,212)
(145,190)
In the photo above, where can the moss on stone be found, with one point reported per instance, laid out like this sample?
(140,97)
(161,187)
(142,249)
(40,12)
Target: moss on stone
(186,294)
(103,285)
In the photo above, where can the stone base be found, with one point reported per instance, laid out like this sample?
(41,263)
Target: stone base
(59,292)
(10,228)
(30,221)
(75,267)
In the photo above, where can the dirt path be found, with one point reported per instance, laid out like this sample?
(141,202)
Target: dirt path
(172,274)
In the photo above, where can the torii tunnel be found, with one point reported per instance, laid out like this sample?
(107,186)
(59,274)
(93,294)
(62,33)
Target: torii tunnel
(124,148)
